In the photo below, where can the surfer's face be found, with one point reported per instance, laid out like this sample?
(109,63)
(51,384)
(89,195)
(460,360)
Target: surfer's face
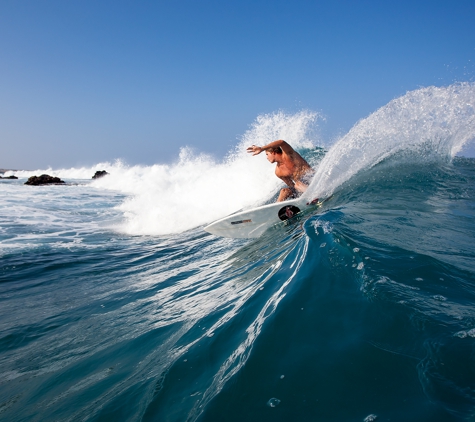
(270,156)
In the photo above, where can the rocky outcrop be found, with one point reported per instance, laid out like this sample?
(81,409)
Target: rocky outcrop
(99,174)
(9,177)
(44,179)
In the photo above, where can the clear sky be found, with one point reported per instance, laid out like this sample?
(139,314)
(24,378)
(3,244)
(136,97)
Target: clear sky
(87,81)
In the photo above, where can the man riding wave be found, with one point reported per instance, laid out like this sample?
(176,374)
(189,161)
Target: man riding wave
(291,167)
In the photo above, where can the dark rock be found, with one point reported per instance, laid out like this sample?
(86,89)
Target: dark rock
(99,174)
(9,177)
(44,179)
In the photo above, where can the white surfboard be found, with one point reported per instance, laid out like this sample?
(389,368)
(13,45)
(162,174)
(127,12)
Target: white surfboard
(254,222)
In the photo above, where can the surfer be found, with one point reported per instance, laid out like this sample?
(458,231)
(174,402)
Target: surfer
(291,168)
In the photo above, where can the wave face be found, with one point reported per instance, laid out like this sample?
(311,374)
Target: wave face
(363,311)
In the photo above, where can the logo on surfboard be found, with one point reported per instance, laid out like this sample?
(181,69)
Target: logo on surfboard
(241,221)
(288,212)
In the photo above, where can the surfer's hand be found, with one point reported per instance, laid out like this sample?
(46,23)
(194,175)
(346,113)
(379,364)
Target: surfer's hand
(255,150)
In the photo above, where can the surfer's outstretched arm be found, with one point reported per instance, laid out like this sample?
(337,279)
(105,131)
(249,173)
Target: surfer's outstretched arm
(284,146)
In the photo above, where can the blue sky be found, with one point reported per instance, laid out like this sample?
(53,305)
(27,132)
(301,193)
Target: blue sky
(87,81)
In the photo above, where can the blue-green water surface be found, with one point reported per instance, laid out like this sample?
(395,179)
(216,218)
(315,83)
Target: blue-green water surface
(364,311)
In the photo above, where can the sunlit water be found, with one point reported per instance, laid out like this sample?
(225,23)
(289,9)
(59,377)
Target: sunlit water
(116,305)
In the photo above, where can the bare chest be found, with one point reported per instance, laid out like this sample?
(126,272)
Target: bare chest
(284,170)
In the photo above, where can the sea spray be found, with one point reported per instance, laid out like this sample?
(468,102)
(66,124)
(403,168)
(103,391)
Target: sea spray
(299,130)
(193,191)
(430,123)
(197,189)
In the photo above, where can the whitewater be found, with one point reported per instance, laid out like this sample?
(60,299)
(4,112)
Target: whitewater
(117,305)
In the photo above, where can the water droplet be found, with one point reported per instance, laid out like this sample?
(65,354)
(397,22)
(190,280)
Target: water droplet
(273,402)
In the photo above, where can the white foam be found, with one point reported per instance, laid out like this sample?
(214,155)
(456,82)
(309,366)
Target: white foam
(198,189)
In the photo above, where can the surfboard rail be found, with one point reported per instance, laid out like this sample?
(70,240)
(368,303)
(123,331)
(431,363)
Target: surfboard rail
(254,222)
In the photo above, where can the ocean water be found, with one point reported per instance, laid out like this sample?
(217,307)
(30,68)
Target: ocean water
(116,305)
